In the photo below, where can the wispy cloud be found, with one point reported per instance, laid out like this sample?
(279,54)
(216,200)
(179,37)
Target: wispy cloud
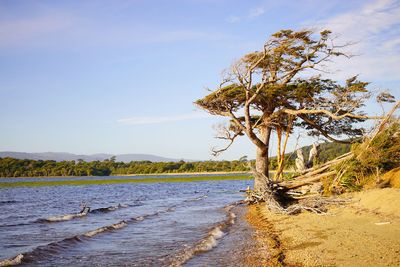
(162,119)
(233,19)
(250,14)
(375,29)
(23,30)
(68,28)
(256,12)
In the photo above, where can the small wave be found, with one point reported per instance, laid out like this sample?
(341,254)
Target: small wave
(114,226)
(68,217)
(62,218)
(196,199)
(145,216)
(55,247)
(209,241)
(139,218)
(14,225)
(5,202)
(11,262)
(110,208)
(44,251)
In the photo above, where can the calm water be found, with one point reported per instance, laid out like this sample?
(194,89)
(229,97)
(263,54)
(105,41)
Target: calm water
(159,224)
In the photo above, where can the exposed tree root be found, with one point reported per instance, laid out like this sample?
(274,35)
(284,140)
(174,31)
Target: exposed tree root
(290,206)
(283,196)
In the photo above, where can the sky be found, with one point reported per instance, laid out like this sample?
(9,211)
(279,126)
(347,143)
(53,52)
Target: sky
(121,76)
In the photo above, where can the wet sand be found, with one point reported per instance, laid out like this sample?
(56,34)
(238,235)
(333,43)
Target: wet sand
(365,232)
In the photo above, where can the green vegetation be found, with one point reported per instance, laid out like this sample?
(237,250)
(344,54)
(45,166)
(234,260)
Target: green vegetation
(123,181)
(10,167)
(372,158)
(147,167)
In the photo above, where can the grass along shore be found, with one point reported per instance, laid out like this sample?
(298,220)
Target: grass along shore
(185,173)
(138,175)
(122,181)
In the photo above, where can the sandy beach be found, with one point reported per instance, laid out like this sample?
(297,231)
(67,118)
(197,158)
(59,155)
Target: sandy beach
(365,232)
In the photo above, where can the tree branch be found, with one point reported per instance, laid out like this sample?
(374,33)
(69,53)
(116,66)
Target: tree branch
(252,136)
(328,113)
(216,152)
(322,131)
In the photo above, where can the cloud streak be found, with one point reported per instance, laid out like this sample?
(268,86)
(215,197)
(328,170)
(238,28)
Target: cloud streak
(256,12)
(47,28)
(162,119)
(34,28)
(375,29)
(251,14)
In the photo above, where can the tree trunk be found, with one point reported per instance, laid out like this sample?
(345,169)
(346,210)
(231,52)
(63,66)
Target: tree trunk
(262,167)
(262,162)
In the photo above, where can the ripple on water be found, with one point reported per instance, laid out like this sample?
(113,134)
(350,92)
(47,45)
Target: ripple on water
(174,215)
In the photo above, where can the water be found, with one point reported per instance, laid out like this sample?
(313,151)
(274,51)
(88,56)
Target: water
(159,224)
(66,178)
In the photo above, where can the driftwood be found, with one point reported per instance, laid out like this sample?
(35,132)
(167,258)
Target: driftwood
(281,196)
(282,200)
(314,174)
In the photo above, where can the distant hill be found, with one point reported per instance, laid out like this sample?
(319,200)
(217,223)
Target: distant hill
(16,164)
(61,156)
(327,150)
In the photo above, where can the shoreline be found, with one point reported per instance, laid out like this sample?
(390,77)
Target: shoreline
(129,175)
(148,174)
(365,232)
(182,173)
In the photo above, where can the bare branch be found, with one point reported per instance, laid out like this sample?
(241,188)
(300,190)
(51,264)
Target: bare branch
(225,134)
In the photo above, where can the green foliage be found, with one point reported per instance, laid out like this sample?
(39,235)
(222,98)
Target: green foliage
(147,167)
(383,151)
(371,158)
(10,167)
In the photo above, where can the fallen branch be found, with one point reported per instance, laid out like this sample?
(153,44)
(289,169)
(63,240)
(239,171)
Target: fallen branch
(287,185)
(324,166)
(313,175)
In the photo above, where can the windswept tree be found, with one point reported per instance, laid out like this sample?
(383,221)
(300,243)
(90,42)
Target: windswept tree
(280,88)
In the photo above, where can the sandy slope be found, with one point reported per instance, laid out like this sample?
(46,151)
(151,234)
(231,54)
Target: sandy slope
(363,233)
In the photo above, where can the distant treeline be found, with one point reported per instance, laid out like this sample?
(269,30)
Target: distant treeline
(10,167)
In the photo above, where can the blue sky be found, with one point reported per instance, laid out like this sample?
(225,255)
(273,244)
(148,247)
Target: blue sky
(121,76)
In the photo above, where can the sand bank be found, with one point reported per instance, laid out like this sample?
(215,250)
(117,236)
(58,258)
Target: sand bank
(363,233)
